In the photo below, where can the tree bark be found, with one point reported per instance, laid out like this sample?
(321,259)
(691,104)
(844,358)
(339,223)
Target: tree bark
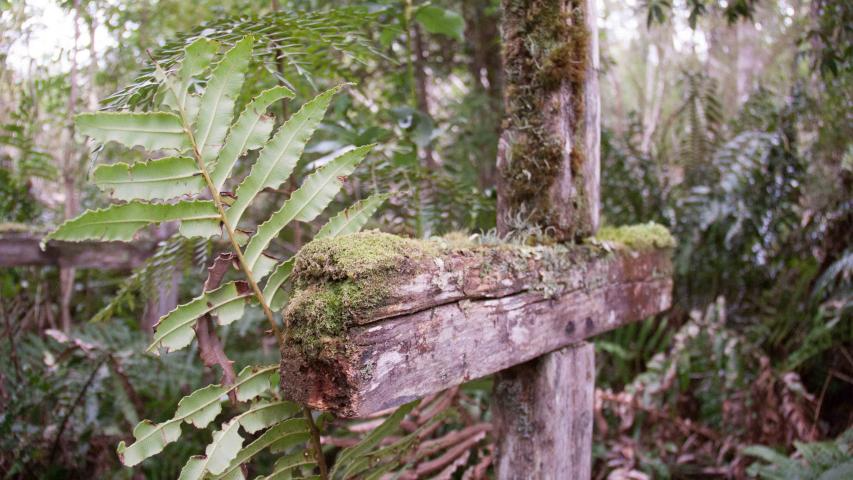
(542,416)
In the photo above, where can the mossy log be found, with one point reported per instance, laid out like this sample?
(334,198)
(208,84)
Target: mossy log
(377,320)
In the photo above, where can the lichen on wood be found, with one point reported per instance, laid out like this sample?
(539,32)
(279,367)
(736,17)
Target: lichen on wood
(546,57)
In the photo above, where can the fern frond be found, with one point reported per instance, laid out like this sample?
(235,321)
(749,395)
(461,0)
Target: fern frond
(278,158)
(199,218)
(202,125)
(303,41)
(199,409)
(284,435)
(167,177)
(305,204)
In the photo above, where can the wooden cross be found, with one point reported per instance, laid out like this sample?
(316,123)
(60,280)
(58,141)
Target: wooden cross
(377,320)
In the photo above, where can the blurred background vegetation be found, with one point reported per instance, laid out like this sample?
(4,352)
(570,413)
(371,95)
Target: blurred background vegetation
(728,121)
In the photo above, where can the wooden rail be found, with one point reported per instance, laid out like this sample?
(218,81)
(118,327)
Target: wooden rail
(423,317)
(19,249)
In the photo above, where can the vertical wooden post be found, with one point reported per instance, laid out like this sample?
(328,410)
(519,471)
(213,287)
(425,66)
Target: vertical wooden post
(548,159)
(543,416)
(548,154)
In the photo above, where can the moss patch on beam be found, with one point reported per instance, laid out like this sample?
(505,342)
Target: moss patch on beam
(338,281)
(641,237)
(357,256)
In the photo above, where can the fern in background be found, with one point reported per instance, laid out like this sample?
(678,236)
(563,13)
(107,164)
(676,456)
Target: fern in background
(302,42)
(832,460)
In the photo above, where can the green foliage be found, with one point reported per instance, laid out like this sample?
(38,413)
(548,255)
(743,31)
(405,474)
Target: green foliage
(302,42)
(149,130)
(176,329)
(199,218)
(440,20)
(732,11)
(201,131)
(832,460)
(166,177)
(85,385)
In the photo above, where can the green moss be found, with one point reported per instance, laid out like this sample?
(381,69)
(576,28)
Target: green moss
(319,314)
(356,256)
(338,280)
(644,236)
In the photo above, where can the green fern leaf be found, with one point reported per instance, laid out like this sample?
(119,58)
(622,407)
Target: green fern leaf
(150,440)
(226,443)
(249,132)
(265,415)
(272,290)
(217,102)
(174,330)
(197,57)
(199,408)
(288,433)
(167,177)
(353,218)
(202,406)
(304,204)
(199,218)
(278,158)
(153,131)
(250,383)
(285,466)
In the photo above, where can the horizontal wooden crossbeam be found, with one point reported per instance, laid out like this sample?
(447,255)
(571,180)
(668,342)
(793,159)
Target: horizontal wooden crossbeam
(20,249)
(377,321)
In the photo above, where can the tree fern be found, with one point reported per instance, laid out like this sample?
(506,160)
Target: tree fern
(201,145)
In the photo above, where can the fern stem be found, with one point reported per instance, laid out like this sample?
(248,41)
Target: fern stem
(217,200)
(315,441)
(220,206)
(247,271)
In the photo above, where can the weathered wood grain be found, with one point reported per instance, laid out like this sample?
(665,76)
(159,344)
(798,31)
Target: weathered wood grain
(19,249)
(441,327)
(542,415)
